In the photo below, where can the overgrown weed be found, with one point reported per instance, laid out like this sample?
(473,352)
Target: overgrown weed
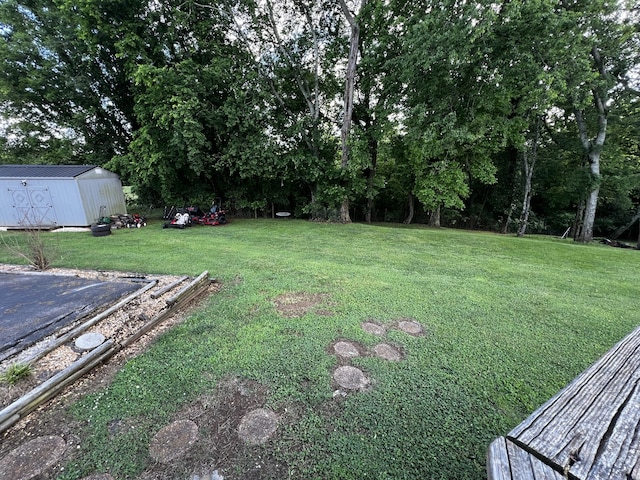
(16,372)
(34,250)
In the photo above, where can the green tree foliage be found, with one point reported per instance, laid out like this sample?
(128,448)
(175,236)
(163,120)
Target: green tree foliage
(63,89)
(454,110)
(495,109)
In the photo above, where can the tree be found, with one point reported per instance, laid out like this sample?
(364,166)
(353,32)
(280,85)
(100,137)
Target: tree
(376,99)
(194,106)
(603,47)
(563,79)
(350,79)
(521,39)
(453,108)
(290,47)
(63,87)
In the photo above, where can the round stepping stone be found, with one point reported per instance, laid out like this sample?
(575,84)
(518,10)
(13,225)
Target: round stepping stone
(351,378)
(410,326)
(346,349)
(387,352)
(257,426)
(32,459)
(89,341)
(373,328)
(173,440)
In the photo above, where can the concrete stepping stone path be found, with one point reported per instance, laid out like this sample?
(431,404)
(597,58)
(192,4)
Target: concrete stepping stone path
(351,378)
(257,426)
(32,459)
(387,352)
(346,349)
(173,440)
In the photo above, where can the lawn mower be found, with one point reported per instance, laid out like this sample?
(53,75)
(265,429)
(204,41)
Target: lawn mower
(188,216)
(217,217)
(135,221)
(180,220)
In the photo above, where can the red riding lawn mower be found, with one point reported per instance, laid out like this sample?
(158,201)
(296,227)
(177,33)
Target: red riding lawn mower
(213,218)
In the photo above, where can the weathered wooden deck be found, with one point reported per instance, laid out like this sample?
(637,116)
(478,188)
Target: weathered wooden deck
(589,431)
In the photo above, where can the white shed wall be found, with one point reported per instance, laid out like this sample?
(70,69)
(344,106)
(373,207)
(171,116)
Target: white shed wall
(96,192)
(60,202)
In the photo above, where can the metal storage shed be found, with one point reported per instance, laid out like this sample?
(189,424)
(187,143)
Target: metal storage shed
(50,196)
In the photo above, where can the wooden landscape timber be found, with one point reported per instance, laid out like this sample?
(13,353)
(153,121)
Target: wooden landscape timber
(194,285)
(588,431)
(181,299)
(57,342)
(171,286)
(17,410)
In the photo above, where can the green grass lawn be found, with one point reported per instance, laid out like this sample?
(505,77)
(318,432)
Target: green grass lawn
(508,323)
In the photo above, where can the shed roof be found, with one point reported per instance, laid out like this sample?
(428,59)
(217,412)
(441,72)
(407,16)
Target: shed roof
(43,171)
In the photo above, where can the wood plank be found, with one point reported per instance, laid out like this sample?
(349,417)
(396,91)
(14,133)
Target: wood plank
(498,467)
(507,461)
(591,426)
(525,466)
(542,471)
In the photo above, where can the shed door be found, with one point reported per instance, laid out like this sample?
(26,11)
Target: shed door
(33,207)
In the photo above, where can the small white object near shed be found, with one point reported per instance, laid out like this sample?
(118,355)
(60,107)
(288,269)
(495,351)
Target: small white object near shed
(51,196)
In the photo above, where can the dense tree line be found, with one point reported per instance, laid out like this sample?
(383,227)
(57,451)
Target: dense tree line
(512,115)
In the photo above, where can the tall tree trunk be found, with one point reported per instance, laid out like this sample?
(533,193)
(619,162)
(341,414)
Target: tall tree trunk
(529,163)
(576,228)
(350,79)
(593,150)
(586,234)
(412,203)
(434,218)
(369,213)
(514,168)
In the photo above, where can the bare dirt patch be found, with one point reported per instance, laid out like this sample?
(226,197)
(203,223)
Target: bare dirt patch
(219,448)
(298,304)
